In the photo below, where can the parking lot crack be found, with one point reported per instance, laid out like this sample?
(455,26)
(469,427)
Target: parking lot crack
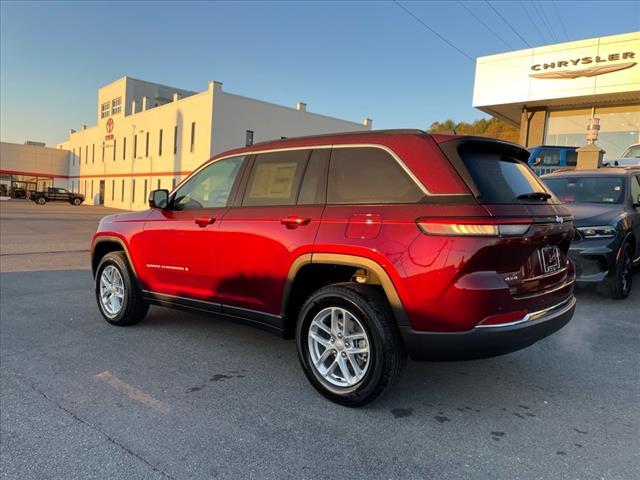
(109,438)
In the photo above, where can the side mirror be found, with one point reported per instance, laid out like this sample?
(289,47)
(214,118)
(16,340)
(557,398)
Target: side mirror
(159,198)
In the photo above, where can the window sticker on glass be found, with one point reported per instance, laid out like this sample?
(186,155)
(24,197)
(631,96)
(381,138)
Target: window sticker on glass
(273,180)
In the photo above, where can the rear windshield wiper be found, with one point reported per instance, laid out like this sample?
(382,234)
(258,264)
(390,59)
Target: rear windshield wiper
(534,196)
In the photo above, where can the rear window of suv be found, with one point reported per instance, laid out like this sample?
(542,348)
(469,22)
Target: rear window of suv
(500,178)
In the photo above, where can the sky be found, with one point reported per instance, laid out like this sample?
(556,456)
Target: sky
(344,59)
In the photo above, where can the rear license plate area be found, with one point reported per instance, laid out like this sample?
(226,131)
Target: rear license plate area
(549,259)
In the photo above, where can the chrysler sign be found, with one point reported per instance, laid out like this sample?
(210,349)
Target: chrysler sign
(598,65)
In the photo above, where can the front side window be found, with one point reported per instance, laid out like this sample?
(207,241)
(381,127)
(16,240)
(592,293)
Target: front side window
(369,175)
(210,187)
(635,189)
(275,178)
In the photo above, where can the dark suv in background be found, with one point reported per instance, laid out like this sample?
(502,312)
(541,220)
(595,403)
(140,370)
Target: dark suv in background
(362,246)
(605,204)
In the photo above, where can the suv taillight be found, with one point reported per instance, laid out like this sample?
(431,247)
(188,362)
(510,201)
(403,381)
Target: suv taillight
(475,227)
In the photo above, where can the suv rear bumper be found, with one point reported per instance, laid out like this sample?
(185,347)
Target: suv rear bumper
(488,340)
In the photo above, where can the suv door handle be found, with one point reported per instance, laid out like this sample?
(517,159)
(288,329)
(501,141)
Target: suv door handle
(204,221)
(294,221)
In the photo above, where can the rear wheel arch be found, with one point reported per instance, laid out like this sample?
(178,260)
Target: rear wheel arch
(312,272)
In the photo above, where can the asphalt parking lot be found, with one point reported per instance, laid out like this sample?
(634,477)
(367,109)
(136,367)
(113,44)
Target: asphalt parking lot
(189,396)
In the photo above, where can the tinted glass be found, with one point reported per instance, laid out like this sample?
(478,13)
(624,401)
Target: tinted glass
(572,158)
(210,187)
(499,178)
(635,189)
(588,189)
(369,175)
(314,182)
(548,156)
(633,152)
(275,178)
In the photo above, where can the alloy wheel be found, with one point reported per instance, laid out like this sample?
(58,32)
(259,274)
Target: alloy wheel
(111,291)
(339,347)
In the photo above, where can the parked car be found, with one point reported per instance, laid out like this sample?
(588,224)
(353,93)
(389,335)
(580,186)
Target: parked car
(362,246)
(18,193)
(632,152)
(53,194)
(547,158)
(605,204)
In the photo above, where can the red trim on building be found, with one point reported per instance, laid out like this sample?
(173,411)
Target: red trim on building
(33,174)
(106,175)
(135,174)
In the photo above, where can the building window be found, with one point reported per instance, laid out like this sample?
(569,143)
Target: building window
(102,152)
(144,197)
(86,154)
(160,144)
(133,190)
(104,110)
(135,146)
(122,192)
(91,190)
(173,184)
(113,190)
(248,141)
(159,181)
(114,148)
(93,153)
(124,148)
(146,145)
(193,136)
(79,155)
(85,187)
(175,139)
(116,105)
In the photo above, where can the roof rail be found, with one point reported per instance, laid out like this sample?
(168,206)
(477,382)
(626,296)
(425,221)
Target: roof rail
(397,131)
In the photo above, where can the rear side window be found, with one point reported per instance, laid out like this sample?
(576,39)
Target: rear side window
(369,175)
(499,178)
(314,183)
(275,178)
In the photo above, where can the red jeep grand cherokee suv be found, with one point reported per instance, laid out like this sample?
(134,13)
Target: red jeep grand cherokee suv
(364,246)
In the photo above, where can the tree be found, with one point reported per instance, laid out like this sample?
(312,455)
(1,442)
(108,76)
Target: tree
(492,128)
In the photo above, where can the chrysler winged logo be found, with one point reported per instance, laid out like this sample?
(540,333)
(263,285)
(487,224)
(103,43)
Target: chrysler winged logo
(585,72)
(559,219)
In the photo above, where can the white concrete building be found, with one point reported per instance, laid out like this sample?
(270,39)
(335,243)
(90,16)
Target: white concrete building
(150,136)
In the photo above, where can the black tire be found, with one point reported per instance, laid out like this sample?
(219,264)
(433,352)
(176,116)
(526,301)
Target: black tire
(387,356)
(620,280)
(76,201)
(133,308)
(41,200)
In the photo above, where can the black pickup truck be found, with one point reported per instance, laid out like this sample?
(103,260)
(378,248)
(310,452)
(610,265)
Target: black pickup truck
(52,194)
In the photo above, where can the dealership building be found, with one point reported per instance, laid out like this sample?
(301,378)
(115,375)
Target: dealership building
(551,92)
(150,136)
